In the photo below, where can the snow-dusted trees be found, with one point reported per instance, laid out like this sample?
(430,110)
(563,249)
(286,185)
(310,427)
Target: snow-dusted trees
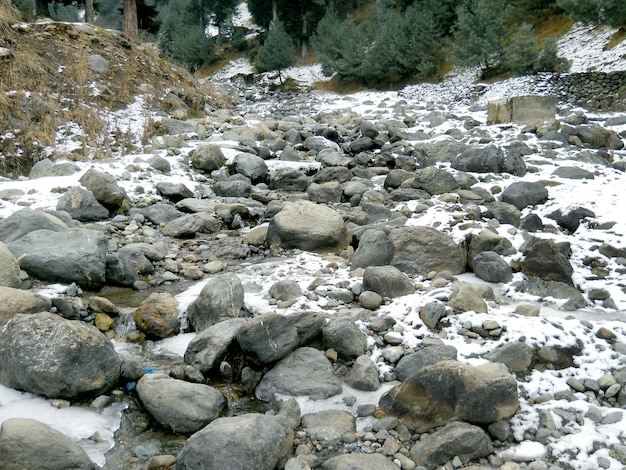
(611,12)
(277,52)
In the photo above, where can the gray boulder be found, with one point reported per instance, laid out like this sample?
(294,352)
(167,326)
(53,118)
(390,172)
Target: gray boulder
(450,390)
(435,181)
(465,297)
(288,179)
(104,188)
(489,266)
(47,355)
(220,299)
(456,439)
(267,338)
(14,301)
(25,221)
(82,205)
(251,166)
(30,444)
(207,158)
(363,374)
(319,143)
(325,193)
(431,313)
(420,250)
(571,217)
(47,167)
(411,364)
(387,281)
(573,173)
(285,289)
(158,213)
(517,356)
(522,194)
(157,315)
(504,213)
(345,337)
(238,443)
(543,259)
(489,159)
(209,347)
(75,255)
(308,226)
(186,226)
(328,425)
(359,461)
(174,192)
(9,268)
(119,271)
(235,186)
(485,240)
(178,405)
(304,372)
(375,249)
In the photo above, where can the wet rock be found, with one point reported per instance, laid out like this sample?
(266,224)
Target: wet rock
(450,390)
(157,316)
(363,374)
(410,364)
(345,337)
(209,347)
(308,226)
(456,439)
(387,281)
(305,372)
(524,193)
(82,205)
(178,405)
(375,249)
(489,266)
(238,443)
(27,443)
(267,338)
(220,299)
(74,255)
(105,189)
(47,355)
(420,250)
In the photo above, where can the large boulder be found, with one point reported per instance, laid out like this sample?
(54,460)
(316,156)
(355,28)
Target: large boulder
(363,375)
(375,249)
(238,443)
(489,266)
(345,337)
(435,181)
(25,221)
(82,205)
(420,250)
(30,444)
(207,157)
(105,189)
(489,159)
(304,372)
(267,338)
(288,179)
(47,355)
(209,347)
(178,405)
(458,439)
(543,259)
(387,281)
(157,315)
(450,390)
(14,301)
(308,226)
(220,299)
(411,364)
(524,193)
(251,166)
(74,255)
(465,297)
(9,268)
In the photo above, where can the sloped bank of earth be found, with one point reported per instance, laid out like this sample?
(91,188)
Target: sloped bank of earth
(466,307)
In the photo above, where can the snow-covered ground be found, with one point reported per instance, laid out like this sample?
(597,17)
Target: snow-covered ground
(604,195)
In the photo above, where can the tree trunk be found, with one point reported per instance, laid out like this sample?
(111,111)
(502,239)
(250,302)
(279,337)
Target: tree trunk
(90,12)
(131,25)
(304,33)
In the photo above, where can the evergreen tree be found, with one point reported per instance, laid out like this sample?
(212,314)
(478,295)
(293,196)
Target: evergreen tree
(520,51)
(612,12)
(548,59)
(479,34)
(277,51)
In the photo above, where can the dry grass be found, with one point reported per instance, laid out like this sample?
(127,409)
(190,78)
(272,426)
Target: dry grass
(616,39)
(554,25)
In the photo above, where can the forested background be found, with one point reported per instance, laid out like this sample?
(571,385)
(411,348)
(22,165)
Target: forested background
(370,42)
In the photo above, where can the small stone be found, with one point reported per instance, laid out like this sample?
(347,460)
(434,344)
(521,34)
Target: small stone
(576,384)
(612,391)
(528,310)
(104,322)
(331,354)
(393,338)
(612,418)
(598,294)
(605,333)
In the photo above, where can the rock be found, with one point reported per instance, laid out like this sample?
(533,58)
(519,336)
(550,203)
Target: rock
(359,461)
(174,192)
(431,313)
(325,193)
(9,269)
(207,158)
(465,298)
(375,249)
(288,179)
(178,405)
(489,266)
(573,173)
(345,337)
(104,188)
(370,300)
(306,371)
(571,217)
(319,143)
(82,205)
(517,356)
(410,364)
(157,316)
(25,221)
(285,289)
(238,443)
(220,299)
(543,259)
(27,443)
(15,301)
(235,186)
(450,390)
(558,290)
(363,374)
(74,255)
(328,425)
(435,181)
(267,338)
(47,355)
(504,213)
(161,164)
(598,137)
(524,193)
(209,347)
(158,213)
(456,439)
(186,226)
(420,250)
(47,167)
(387,281)
(485,240)
(308,226)
(489,159)
(251,166)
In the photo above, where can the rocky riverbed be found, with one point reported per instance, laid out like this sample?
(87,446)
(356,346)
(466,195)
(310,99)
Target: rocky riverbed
(307,280)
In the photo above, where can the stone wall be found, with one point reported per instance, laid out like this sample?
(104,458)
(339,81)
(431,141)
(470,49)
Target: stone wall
(599,91)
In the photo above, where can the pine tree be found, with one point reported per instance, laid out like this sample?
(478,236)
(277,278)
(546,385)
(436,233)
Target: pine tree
(548,59)
(612,12)
(277,52)
(521,51)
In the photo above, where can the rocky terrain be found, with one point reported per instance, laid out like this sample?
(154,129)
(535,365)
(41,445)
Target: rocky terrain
(307,280)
